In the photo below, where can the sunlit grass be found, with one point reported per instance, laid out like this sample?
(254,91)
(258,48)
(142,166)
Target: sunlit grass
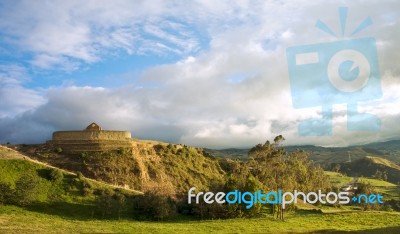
(14,219)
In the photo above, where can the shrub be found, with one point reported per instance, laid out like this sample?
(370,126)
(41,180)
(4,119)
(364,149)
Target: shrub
(6,193)
(79,175)
(56,175)
(55,193)
(26,189)
(58,150)
(104,202)
(156,206)
(109,203)
(157,203)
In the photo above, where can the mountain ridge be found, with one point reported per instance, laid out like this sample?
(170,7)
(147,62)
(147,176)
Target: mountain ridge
(326,155)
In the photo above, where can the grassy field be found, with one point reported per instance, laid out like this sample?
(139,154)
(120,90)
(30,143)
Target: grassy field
(389,190)
(338,179)
(76,213)
(17,220)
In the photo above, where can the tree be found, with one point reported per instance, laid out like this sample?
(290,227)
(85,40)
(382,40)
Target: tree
(120,203)
(252,185)
(336,167)
(378,174)
(385,176)
(366,188)
(276,169)
(104,202)
(26,189)
(157,206)
(158,201)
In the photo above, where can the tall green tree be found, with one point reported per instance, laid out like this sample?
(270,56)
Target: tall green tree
(276,169)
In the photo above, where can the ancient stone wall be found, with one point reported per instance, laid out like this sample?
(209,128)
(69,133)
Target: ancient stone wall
(91,135)
(93,138)
(85,146)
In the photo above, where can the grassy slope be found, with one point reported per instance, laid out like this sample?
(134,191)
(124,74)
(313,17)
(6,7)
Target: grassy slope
(389,190)
(71,203)
(12,169)
(369,165)
(17,220)
(25,162)
(66,216)
(338,179)
(383,162)
(148,164)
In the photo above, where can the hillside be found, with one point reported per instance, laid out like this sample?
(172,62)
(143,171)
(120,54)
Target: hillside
(229,153)
(372,167)
(387,189)
(49,190)
(149,167)
(327,155)
(149,164)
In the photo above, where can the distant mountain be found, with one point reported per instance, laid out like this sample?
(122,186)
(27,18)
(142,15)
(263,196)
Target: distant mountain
(327,155)
(229,153)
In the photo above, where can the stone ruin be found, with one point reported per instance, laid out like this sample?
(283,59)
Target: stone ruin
(93,138)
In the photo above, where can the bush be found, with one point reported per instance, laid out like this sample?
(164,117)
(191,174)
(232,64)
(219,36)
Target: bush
(58,150)
(26,189)
(79,175)
(110,204)
(104,202)
(55,193)
(156,206)
(6,193)
(84,155)
(157,203)
(56,176)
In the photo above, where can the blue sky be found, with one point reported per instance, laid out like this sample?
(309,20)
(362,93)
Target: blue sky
(203,73)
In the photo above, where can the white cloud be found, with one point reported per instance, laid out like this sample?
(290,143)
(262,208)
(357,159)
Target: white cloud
(64,33)
(233,93)
(15,99)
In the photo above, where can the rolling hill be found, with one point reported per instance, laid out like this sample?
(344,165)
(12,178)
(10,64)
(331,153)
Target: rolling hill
(327,155)
(146,166)
(41,188)
(370,166)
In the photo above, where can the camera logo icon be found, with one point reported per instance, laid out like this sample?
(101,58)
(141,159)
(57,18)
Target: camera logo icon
(340,72)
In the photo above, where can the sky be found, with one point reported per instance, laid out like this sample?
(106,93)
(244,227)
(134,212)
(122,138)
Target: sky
(204,73)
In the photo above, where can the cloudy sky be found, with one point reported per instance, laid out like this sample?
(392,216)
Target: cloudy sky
(203,73)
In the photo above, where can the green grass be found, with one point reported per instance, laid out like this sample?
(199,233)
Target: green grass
(18,220)
(376,183)
(383,161)
(74,214)
(338,179)
(147,164)
(12,169)
(389,190)
(66,198)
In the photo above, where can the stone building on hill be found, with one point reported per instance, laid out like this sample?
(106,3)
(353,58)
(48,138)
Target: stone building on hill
(93,138)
